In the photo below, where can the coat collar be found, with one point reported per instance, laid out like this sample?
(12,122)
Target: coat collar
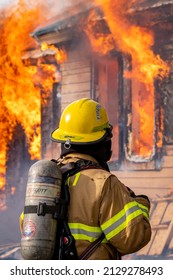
(73,157)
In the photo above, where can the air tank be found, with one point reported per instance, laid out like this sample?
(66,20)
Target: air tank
(39,225)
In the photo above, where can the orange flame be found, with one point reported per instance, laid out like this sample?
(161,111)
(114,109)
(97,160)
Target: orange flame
(20,82)
(143,120)
(146,66)
(19,97)
(60,54)
(131,39)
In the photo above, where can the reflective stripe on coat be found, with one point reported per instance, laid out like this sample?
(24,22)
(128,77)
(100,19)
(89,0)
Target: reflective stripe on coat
(99,202)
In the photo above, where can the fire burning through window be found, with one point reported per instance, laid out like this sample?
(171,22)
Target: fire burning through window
(21,82)
(145,68)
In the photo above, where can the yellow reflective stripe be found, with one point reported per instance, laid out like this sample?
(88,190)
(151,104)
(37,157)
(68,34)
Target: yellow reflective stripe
(145,210)
(120,221)
(68,181)
(77,175)
(84,227)
(83,237)
(86,237)
(84,232)
(123,225)
(76,178)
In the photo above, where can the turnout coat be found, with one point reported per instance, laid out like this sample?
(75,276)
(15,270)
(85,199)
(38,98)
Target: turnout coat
(99,202)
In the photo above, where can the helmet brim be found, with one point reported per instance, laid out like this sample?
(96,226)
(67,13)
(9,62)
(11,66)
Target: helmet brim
(61,137)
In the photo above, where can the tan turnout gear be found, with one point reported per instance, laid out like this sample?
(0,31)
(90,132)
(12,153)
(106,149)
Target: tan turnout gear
(99,202)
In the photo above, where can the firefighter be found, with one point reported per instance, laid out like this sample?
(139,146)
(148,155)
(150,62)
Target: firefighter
(99,201)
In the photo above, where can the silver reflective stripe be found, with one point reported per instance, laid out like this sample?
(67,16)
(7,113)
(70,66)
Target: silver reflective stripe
(84,232)
(121,220)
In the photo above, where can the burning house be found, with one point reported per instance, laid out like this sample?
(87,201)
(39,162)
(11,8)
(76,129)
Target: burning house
(122,59)
(119,54)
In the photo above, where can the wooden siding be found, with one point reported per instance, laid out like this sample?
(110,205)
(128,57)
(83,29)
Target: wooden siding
(161,243)
(76,78)
(152,183)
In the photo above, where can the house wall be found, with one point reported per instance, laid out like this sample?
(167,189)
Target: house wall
(75,84)
(76,78)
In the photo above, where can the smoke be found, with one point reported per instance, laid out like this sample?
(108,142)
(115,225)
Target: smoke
(56,7)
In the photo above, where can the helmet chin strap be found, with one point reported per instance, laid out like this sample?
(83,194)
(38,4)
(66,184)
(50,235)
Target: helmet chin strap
(100,151)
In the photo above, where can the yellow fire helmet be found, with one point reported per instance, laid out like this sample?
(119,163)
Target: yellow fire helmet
(84,121)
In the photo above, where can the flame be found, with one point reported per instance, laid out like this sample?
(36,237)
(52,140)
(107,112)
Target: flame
(23,86)
(142,120)
(101,42)
(146,67)
(17,89)
(127,38)
(60,54)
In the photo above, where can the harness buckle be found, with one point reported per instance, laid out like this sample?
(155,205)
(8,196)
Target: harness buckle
(41,209)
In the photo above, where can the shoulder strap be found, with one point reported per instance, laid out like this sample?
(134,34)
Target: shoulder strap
(82,164)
